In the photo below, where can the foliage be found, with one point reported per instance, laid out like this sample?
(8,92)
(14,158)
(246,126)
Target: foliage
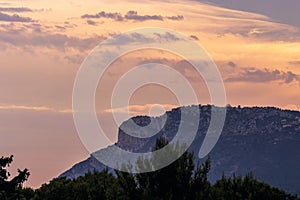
(96,185)
(246,188)
(11,189)
(180,180)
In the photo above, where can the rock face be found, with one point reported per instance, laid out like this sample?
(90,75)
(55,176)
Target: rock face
(261,140)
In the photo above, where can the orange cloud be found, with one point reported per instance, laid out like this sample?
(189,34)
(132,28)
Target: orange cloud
(140,109)
(33,108)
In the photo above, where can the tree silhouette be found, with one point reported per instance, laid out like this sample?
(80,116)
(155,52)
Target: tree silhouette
(179,181)
(11,189)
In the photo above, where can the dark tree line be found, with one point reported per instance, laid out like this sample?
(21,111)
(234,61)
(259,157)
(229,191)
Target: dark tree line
(12,189)
(179,181)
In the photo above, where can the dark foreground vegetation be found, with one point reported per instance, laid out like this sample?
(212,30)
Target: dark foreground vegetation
(180,180)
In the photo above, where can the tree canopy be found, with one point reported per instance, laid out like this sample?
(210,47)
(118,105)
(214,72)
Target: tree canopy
(11,189)
(179,181)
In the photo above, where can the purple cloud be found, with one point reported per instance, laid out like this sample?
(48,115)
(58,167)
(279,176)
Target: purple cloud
(130,15)
(133,15)
(264,75)
(15,9)
(14,18)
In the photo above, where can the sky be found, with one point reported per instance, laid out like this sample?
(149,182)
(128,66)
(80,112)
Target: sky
(255,45)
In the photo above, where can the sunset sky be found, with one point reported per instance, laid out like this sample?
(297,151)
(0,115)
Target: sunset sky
(256,46)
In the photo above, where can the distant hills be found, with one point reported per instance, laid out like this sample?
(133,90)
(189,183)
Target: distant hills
(261,140)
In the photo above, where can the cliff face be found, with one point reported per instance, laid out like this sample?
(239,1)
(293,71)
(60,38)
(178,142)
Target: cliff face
(265,141)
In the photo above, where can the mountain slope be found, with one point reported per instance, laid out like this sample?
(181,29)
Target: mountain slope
(264,140)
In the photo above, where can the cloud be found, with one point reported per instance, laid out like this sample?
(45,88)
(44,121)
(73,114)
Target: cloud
(91,22)
(123,39)
(26,36)
(130,38)
(39,28)
(176,18)
(130,15)
(56,40)
(245,24)
(15,9)
(35,36)
(62,28)
(33,108)
(194,37)
(20,9)
(168,36)
(133,15)
(182,66)
(103,14)
(267,31)
(264,75)
(279,33)
(231,64)
(286,11)
(14,18)
(139,109)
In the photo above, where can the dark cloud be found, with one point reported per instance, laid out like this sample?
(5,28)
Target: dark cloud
(14,18)
(130,15)
(231,64)
(102,14)
(133,15)
(194,37)
(264,75)
(91,22)
(176,18)
(286,11)
(16,9)
(21,9)
(167,36)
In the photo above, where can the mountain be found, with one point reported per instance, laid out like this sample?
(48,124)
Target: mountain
(261,140)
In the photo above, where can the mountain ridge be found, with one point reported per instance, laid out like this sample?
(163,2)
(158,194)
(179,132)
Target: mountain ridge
(261,140)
